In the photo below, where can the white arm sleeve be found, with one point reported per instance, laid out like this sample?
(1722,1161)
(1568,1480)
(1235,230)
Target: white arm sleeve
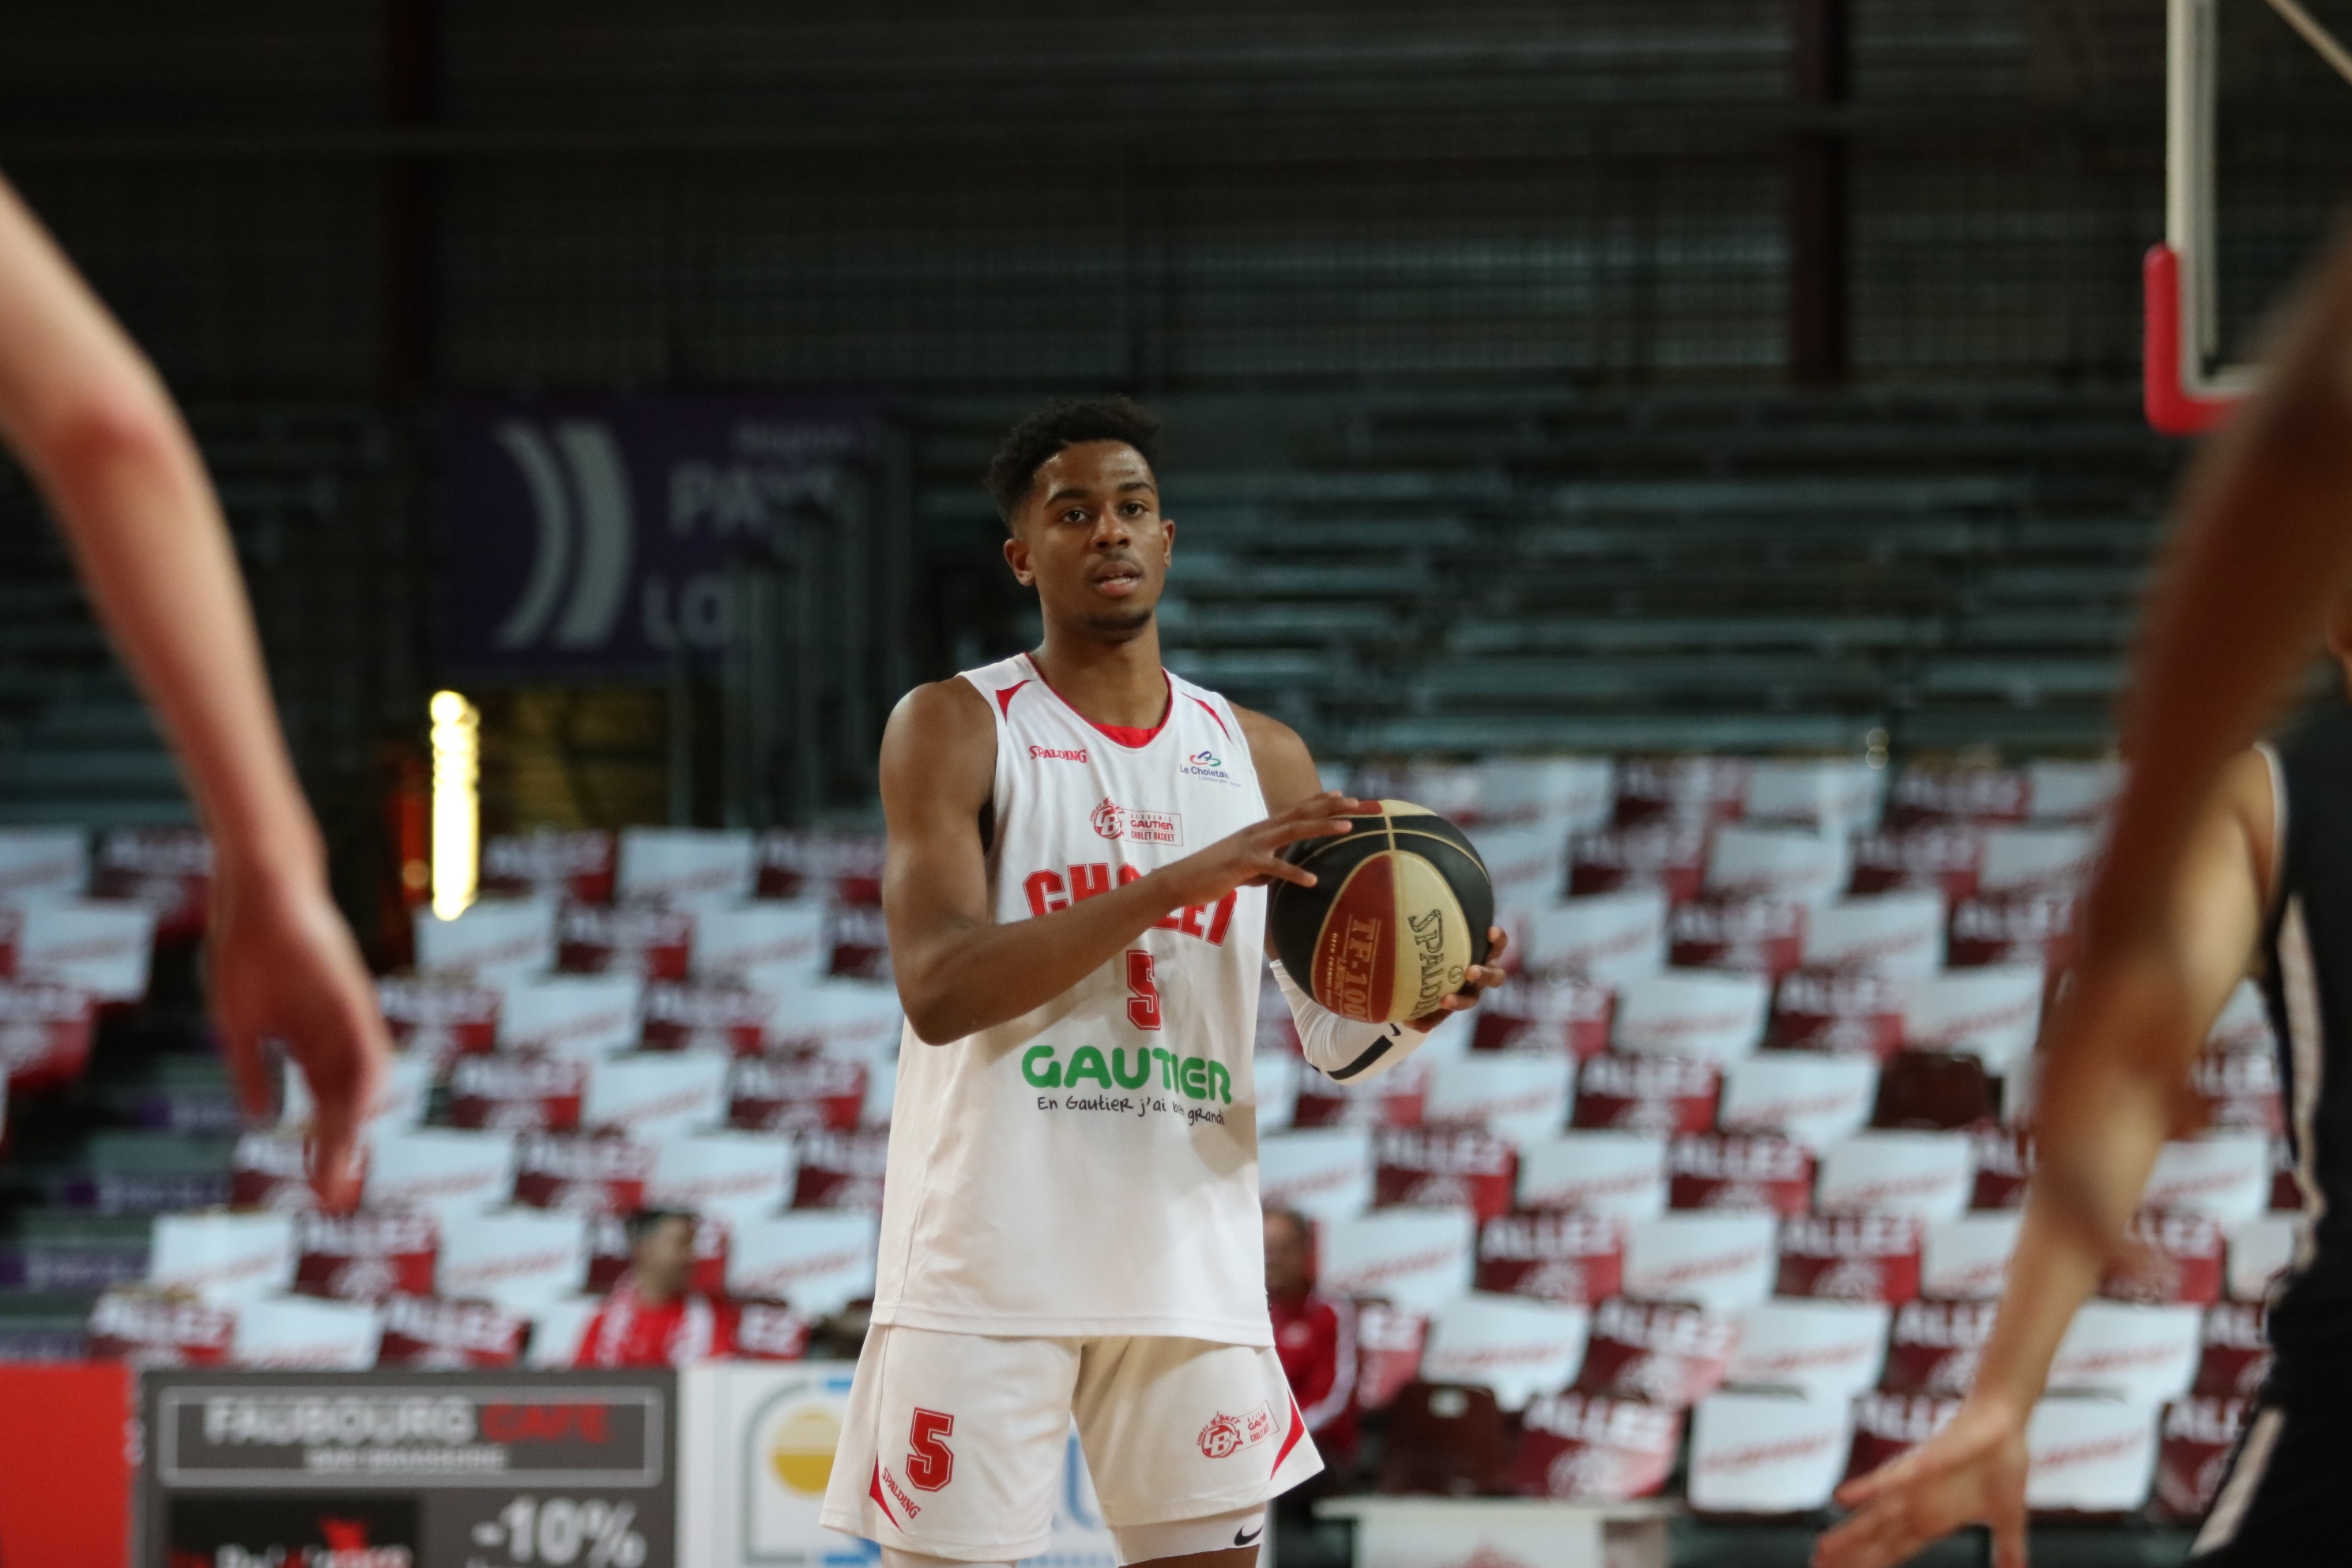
(1348,1052)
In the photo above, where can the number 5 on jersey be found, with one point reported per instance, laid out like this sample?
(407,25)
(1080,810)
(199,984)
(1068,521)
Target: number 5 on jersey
(1142,989)
(930,1464)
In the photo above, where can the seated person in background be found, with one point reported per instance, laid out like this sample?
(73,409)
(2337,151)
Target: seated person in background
(1315,1335)
(653,1316)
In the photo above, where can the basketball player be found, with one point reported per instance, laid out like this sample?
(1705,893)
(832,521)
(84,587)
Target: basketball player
(85,414)
(1078,841)
(2221,860)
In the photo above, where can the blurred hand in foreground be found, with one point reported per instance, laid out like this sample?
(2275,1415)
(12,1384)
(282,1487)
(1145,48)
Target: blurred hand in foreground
(282,969)
(1971,1472)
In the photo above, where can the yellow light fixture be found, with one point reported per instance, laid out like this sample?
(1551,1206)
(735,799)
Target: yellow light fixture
(456,803)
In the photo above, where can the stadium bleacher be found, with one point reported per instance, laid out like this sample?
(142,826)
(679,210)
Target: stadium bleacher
(1710,1200)
(1668,571)
(1769,1216)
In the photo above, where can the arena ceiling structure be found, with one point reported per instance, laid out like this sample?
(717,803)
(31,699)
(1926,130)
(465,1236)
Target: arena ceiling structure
(1432,271)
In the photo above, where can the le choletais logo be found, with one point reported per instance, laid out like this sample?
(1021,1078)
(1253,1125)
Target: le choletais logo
(1205,763)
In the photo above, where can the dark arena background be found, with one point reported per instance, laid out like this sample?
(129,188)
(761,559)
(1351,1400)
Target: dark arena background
(1702,447)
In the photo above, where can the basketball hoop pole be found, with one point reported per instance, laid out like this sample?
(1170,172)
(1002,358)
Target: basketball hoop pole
(2177,278)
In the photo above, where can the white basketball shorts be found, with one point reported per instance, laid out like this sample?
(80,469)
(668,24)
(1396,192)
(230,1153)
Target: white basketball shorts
(952,1444)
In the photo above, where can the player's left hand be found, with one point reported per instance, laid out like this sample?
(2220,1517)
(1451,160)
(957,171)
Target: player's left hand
(1477,981)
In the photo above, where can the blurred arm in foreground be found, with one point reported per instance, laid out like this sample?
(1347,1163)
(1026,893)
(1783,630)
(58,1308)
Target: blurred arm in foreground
(2128,1051)
(87,414)
(2261,554)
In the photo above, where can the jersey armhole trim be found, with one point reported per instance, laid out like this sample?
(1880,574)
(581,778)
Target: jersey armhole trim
(1210,708)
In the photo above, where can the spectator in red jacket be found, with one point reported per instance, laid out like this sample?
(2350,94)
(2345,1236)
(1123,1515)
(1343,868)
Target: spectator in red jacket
(653,1316)
(1315,1335)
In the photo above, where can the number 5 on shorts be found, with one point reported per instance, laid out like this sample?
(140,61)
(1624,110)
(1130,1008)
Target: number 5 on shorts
(930,1465)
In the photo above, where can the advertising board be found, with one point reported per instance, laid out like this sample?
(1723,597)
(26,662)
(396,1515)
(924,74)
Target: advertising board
(484,1470)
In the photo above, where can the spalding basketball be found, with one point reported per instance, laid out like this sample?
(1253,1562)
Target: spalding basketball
(1398,914)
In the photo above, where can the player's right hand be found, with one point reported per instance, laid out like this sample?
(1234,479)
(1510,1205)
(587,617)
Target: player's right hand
(1971,1472)
(1253,857)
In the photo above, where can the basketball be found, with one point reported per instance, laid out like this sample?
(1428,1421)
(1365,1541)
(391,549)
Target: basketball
(1398,914)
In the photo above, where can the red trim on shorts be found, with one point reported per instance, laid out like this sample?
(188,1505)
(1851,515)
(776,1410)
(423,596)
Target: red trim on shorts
(1297,1430)
(874,1489)
(1211,712)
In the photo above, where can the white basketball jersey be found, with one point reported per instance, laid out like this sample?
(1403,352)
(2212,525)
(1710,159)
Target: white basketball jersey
(1092,1168)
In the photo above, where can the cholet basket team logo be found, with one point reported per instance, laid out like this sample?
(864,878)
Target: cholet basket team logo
(1112,820)
(1228,1434)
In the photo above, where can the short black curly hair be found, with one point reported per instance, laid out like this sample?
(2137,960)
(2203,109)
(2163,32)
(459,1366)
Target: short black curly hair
(1066,422)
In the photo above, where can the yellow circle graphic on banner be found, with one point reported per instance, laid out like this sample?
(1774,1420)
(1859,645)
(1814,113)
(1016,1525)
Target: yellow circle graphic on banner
(800,1448)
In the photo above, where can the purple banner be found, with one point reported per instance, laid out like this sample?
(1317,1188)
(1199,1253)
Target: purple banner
(590,537)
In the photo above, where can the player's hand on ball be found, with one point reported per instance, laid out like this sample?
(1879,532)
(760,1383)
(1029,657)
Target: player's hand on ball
(1477,981)
(1972,1472)
(1253,857)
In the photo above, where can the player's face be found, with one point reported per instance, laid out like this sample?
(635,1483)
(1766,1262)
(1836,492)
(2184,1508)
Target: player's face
(1091,541)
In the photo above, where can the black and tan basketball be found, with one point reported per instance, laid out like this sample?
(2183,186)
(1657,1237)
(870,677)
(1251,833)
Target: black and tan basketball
(1398,914)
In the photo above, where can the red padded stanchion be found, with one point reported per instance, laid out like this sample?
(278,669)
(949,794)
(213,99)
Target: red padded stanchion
(2171,407)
